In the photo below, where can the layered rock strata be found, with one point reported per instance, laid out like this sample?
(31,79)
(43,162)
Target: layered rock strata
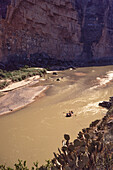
(63,29)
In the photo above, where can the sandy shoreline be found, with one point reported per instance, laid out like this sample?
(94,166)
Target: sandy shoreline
(18,95)
(12,86)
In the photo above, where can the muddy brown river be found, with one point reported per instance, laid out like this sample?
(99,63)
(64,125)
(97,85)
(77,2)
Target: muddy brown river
(36,131)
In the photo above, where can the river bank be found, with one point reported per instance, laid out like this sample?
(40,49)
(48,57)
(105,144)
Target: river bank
(19,94)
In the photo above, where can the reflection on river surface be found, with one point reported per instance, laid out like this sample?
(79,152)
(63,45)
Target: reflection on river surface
(36,131)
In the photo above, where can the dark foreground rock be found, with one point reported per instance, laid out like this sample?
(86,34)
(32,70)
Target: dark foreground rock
(92,150)
(107,104)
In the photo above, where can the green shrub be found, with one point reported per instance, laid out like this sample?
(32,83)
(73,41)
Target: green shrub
(19,79)
(1,71)
(21,165)
(26,66)
(24,77)
(9,75)
(44,71)
(16,72)
(14,79)
(19,75)
(34,73)
(2,76)
(30,74)
(3,84)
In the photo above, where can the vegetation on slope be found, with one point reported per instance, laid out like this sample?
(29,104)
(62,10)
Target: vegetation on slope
(22,165)
(6,77)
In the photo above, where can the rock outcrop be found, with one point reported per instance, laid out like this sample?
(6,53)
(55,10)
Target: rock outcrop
(63,29)
(93,148)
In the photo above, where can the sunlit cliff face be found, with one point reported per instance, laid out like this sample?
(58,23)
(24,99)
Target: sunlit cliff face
(65,29)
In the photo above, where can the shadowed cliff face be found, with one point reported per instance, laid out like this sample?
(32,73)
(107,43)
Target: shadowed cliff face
(64,29)
(3,7)
(92,18)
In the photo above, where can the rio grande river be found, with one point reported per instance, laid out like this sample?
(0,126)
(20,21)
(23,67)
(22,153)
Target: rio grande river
(36,131)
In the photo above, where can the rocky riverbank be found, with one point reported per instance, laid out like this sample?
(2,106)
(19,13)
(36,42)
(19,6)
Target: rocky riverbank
(93,148)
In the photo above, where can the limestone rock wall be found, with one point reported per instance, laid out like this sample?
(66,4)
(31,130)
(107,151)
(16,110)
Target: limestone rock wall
(64,29)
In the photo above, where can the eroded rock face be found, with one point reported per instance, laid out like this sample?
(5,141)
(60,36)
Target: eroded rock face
(64,29)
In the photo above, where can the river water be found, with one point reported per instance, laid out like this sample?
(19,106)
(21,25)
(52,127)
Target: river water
(36,131)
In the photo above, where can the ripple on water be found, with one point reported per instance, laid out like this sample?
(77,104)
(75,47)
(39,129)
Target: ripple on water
(103,81)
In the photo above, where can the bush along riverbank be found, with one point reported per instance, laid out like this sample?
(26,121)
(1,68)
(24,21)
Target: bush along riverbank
(7,77)
(92,149)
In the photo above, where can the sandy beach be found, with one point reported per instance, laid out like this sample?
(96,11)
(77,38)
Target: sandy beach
(20,94)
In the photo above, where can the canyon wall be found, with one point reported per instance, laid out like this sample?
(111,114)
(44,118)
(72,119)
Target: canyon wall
(63,29)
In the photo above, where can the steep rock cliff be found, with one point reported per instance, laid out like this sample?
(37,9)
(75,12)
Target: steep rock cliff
(64,29)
